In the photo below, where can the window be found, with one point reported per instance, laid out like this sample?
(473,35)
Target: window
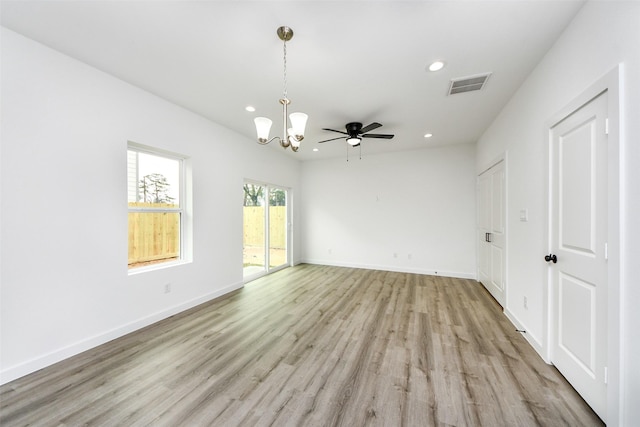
(156,206)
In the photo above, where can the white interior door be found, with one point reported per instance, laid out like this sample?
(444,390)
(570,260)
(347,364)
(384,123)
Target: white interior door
(579,250)
(491,231)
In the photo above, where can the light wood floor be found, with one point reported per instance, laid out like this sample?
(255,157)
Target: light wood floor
(311,346)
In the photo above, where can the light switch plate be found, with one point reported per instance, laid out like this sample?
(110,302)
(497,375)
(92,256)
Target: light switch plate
(524,215)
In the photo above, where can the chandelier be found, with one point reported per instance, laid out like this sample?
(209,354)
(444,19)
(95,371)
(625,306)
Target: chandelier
(291,136)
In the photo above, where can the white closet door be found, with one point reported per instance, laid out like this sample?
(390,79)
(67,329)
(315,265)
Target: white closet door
(492,231)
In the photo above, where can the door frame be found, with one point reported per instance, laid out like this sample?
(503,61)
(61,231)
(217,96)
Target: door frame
(610,83)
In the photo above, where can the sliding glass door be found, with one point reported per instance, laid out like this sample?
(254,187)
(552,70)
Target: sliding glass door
(265,229)
(254,213)
(277,227)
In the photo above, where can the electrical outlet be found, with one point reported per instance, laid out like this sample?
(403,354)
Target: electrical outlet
(329,250)
(395,255)
(409,256)
(167,288)
(524,302)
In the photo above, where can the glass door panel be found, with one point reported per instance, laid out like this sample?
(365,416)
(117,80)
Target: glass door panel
(277,227)
(254,231)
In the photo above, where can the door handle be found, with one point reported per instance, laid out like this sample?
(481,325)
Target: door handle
(551,257)
(487,237)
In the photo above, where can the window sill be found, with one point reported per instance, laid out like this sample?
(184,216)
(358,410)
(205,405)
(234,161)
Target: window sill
(154,267)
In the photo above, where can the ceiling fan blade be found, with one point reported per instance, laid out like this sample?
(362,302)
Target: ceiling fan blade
(378,135)
(370,127)
(332,139)
(333,130)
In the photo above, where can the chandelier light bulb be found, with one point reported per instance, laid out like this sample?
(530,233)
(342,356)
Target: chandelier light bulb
(263,126)
(298,124)
(295,142)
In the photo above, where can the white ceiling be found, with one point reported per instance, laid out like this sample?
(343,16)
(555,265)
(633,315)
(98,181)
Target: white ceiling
(348,61)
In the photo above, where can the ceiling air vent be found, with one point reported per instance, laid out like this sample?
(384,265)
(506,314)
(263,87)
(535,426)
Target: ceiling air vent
(468,84)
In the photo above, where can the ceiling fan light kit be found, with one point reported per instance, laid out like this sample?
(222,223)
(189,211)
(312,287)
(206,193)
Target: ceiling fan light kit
(291,136)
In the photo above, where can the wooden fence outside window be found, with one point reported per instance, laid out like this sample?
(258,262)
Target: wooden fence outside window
(254,226)
(155,236)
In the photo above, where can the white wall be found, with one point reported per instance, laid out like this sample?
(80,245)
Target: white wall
(602,35)
(415,203)
(64,280)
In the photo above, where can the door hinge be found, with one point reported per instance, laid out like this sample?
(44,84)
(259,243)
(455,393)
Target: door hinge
(606,251)
(606,375)
(606,126)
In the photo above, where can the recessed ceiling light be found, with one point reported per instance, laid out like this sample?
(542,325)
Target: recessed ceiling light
(428,135)
(436,66)
(250,108)
(315,149)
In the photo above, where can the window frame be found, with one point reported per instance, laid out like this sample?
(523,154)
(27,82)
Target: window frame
(181,210)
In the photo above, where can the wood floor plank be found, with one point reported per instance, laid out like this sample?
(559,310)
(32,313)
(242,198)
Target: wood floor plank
(311,346)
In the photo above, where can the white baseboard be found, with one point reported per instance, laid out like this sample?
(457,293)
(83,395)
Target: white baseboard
(25,368)
(531,339)
(456,274)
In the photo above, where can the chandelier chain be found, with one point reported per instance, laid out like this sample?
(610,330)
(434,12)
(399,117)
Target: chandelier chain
(285,70)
